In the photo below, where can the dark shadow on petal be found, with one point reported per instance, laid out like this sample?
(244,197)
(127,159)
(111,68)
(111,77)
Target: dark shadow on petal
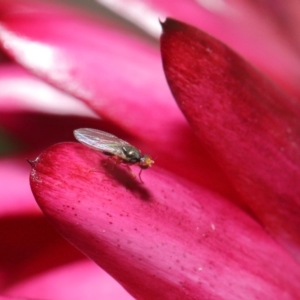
(128,179)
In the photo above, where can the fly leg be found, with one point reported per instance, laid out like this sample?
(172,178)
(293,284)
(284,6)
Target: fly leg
(130,171)
(140,175)
(133,175)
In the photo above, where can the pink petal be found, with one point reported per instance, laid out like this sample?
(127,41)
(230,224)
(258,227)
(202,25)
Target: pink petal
(29,247)
(21,91)
(15,201)
(35,131)
(12,298)
(133,94)
(250,127)
(79,280)
(167,132)
(165,239)
(77,49)
(264,32)
(283,16)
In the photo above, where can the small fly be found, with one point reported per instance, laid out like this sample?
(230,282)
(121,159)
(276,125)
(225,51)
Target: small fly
(119,150)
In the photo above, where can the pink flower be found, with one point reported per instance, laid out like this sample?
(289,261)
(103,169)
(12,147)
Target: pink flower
(218,214)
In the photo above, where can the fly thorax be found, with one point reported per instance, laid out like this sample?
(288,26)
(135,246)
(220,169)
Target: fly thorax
(132,154)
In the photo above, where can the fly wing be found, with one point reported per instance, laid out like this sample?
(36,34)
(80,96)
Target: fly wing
(101,140)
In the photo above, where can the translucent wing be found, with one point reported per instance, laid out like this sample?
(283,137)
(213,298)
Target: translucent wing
(101,140)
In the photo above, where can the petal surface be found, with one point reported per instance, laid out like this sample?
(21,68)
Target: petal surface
(72,52)
(14,202)
(250,127)
(22,91)
(262,31)
(122,80)
(165,239)
(31,247)
(78,280)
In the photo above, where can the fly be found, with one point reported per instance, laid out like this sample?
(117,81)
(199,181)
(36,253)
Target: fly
(109,144)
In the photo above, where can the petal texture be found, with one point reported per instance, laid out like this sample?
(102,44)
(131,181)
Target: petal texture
(13,172)
(249,126)
(122,80)
(262,31)
(165,239)
(22,91)
(76,281)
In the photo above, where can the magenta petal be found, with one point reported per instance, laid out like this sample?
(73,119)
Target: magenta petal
(21,91)
(250,127)
(12,298)
(15,201)
(78,280)
(94,61)
(165,239)
(262,31)
(30,247)
(121,79)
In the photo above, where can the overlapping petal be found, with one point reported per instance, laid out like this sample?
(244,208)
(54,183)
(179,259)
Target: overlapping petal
(249,126)
(122,80)
(12,298)
(264,32)
(91,283)
(21,91)
(14,172)
(31,247)
(75,55)
(165,239)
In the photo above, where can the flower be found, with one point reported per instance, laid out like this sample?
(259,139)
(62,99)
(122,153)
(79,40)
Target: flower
(221,200)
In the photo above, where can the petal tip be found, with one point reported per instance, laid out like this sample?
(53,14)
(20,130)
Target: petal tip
(32,162)
(171,24)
